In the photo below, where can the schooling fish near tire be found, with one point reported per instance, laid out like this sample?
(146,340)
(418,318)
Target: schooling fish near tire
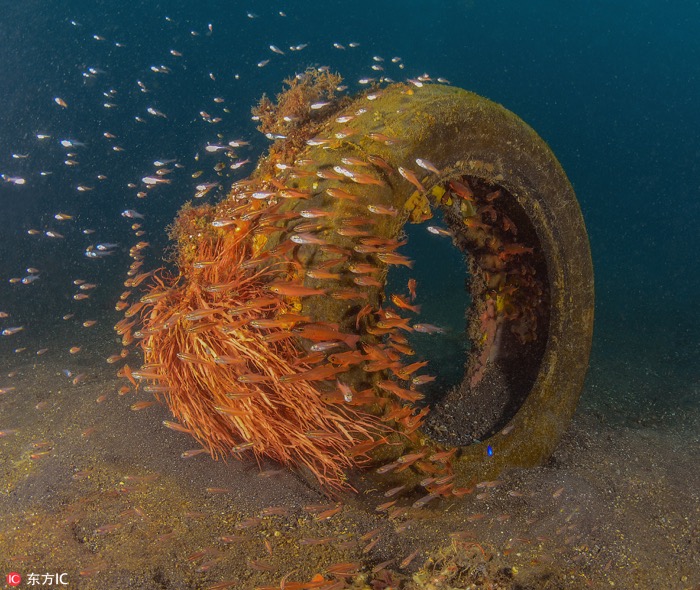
(268,341)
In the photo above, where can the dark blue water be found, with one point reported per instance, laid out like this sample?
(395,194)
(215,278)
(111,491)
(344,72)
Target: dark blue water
(612,87)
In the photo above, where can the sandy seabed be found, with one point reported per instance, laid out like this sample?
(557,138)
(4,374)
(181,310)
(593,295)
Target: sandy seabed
(100,491)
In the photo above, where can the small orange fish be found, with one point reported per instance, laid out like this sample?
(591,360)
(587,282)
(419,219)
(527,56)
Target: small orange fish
(348,294)
(176,426)
(365,447)
(79,378)
(249,523)
(380,162)
(189,357)
(275,511)
(385,244)
(198,314)
(322,333)
(91,571)
(351,161)
(381,138)
(395,322)
(242,447)
(403,304)
(308,238)
(253,378)
(381,566)
(508,225)
(311,359)
(288,289)
(352,232)
(316,508)
(333,249)
(428,329)
(443,456)
(475,517)
(412,288)
(411,458)
(367,281)
(289,193)
(367,548)
(383,210)
(408,370)
(409,175)
(141,405)
(339,193)
(360,178)
(261,565)
(351,357)
(122,326)
(193,453)
(315,213)
(329,174)
(405,394)
(326,514)
(385,506)
(107,528)
(394,491)
(406,562)
(488,484)
(157,388)
(125,371)
(370,534)
(462,189)
(321,435)
(277,336)
(309,227)
(364,312)
(137,280)
(395,259)
(361,268)
(348,568)
(514,250)
(402,348)
(424,500)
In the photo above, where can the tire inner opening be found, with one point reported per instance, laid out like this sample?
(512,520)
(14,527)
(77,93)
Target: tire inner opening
(481,280)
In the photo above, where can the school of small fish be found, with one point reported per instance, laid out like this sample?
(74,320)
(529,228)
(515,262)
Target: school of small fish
(27,167)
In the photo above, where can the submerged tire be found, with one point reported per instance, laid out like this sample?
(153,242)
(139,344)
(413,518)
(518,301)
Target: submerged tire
(470,138)
(254,343)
